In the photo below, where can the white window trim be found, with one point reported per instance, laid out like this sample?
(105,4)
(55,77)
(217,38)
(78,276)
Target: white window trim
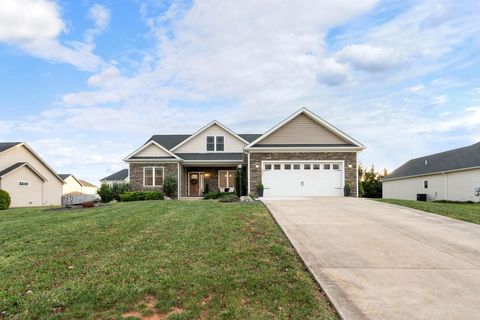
(214,143)
(228,179)
(154,170)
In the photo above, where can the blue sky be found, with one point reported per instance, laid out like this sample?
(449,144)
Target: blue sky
(86,82)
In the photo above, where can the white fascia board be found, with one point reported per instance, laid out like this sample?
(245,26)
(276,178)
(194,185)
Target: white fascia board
(214,122)
(147,145)
(314,117)
(152,160)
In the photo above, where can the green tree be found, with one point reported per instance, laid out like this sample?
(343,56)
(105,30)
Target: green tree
(370,185)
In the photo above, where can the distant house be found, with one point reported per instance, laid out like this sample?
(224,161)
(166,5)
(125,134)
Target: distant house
(452,175)
(28,179)
(120,177)
(77,186)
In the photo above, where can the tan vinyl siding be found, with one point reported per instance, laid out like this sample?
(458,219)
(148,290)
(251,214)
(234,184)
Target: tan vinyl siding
(52,189)
(303,130)
(23,196)
(198,144)
(71,185)
(153,151)
(453,186)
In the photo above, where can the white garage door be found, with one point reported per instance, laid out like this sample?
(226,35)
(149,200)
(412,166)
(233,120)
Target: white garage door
(302,178)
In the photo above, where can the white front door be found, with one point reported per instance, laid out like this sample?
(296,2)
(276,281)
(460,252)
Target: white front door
(305,178)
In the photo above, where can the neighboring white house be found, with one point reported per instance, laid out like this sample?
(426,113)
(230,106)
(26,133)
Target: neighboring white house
(28,179)
(77,186)
(119,177)
(452,175)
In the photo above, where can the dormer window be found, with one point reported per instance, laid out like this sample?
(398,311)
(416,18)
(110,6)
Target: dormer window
(220,143)
(210,143)
(215,143)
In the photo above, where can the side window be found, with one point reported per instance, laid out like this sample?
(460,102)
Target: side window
(210,143)
(220,143)
(425,184)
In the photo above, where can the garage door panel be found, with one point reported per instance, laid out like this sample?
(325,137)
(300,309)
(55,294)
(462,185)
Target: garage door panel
(305,181)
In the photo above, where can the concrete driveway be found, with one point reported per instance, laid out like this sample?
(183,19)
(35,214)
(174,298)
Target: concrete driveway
(381,261)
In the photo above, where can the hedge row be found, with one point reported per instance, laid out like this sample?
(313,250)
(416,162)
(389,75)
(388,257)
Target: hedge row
(215,195)
(141,195)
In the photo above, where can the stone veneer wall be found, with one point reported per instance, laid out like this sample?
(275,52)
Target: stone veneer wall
(257,158)
(136,174)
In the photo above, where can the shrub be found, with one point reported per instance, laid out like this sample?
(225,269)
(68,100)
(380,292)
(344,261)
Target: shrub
(4,200)
(259,189)
(370,183)
(105,193)
(207,189)
(229,198)
(170,186)
(141,195)
(215,195)
(119,188)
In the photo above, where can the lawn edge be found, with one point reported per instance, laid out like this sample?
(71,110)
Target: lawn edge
(380,200)
(310,272)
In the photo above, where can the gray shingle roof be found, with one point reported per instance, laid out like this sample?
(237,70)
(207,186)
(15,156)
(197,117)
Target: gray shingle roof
(11,168)
(168,141)
(120,175)
(64,175)
(7,145)
(462,158)
(211,156)
(250,137)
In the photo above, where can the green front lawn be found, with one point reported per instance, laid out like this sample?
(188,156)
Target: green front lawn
(166,259)
(463,211)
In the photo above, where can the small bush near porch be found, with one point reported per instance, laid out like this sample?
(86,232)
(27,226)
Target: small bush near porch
(166,259)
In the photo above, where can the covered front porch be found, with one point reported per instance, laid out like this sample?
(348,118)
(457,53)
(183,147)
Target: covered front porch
(197,179)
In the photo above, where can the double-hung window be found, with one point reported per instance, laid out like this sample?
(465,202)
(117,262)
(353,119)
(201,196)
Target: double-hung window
(152,176)
(215,143)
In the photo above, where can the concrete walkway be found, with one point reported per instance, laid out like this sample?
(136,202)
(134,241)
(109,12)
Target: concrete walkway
(381,261)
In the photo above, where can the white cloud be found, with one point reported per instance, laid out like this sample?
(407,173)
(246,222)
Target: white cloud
(439,100)
(35,26)
(100,15)
(332,73)
(370,58)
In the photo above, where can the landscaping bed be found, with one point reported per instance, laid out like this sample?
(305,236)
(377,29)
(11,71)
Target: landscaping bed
(162,259)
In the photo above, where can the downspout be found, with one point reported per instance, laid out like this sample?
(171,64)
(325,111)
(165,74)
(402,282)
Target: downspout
(248,173)
(445,185)
(356,171)
(178,179)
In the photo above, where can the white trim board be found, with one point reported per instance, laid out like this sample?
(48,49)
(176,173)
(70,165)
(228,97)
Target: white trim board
(147,145)
(316,119)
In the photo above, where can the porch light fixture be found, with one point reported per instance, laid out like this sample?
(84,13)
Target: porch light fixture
(207,174)
(349,164)
(257,166)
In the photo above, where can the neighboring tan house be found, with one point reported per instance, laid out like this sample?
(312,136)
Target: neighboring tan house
(77,186)
(120,177)
(452,175)
(302,156)
(28,179)
(87,187)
